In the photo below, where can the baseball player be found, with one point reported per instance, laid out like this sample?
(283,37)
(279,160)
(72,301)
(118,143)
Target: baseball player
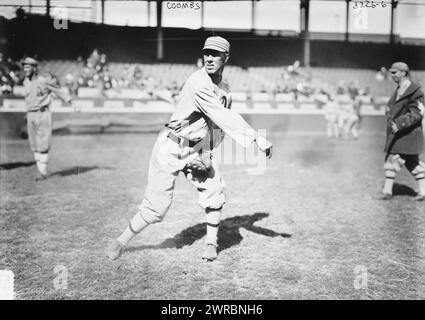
(185,146)
(404,140)
(39,91)
(345,108)
(351,127)
(331,117)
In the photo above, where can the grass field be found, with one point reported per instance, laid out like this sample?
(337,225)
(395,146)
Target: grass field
(308,228)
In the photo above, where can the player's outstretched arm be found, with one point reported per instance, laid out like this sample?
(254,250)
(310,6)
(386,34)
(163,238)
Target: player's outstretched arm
(228,120)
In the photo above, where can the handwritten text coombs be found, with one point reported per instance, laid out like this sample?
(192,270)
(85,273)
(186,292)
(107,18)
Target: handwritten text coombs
(184,5)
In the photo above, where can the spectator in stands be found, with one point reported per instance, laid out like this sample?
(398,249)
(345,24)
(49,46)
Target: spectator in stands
(123,82)
(353,90)
(94,59)
(102,63)
(247,90)
(107,80)
(71,85)
(277,89)
(6,86)
(293,69)
(150,85)
(380,76)
(136,80)
(86,78)
(175,89)
(3,64)
(80,63)
(199,63)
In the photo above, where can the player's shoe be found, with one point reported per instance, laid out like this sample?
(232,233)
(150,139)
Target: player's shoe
(114,250)
(384,196)
(420,197)
(210,254)
(41,177)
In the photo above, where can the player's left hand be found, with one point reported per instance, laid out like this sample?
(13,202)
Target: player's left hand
(394,127)
(201,163)
(421,108)
(265,146)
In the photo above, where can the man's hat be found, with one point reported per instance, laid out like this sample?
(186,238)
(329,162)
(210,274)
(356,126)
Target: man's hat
(399,66)
(217,43)
(30,61)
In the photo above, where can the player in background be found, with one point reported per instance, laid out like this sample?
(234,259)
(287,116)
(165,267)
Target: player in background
(204,101)
(351,127)
(39,92)
(346,119)
(404,141)
(331,116)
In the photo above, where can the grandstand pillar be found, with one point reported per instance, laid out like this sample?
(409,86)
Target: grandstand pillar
(48,8)
(202,14)
(253,15)
(305,33)
(347,19)
(394,4)
(159,37)
(102,3)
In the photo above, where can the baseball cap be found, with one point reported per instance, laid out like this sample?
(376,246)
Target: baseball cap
(217,43)
(399,66)
(30,61)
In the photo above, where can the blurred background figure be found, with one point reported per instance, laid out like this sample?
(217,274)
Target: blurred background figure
(71,85)
(331,116)
(6,84)
(136,80)
(348,119)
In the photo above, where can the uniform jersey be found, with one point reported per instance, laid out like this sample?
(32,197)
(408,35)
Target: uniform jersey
(331,110)
(202,100)
(39,91)
(345,103)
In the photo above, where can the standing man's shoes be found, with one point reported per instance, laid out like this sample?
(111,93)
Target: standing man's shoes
(41,177)
(420,197)
(384,196)
(210,253)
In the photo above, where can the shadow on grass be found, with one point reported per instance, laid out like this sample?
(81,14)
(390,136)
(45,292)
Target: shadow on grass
(15,165)
(228,233)
(403,190)
(78,170)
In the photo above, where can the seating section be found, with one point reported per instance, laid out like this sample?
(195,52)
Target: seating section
(253,79)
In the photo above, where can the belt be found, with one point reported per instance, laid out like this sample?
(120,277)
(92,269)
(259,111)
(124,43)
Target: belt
(180,140)
(42,109)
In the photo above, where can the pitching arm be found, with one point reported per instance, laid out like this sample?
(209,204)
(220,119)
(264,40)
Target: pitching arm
(231,122)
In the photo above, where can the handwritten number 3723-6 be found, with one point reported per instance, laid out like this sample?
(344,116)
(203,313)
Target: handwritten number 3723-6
(368,4)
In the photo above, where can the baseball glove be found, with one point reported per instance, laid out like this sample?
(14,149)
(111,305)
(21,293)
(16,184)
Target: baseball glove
(202,164)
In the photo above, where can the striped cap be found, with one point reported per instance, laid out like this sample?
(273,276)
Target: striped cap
(399,66)
(30,61)
(217,43)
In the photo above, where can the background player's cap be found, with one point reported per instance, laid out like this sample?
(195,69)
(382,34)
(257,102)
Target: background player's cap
(399,66)
(217,43)
(30,61)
